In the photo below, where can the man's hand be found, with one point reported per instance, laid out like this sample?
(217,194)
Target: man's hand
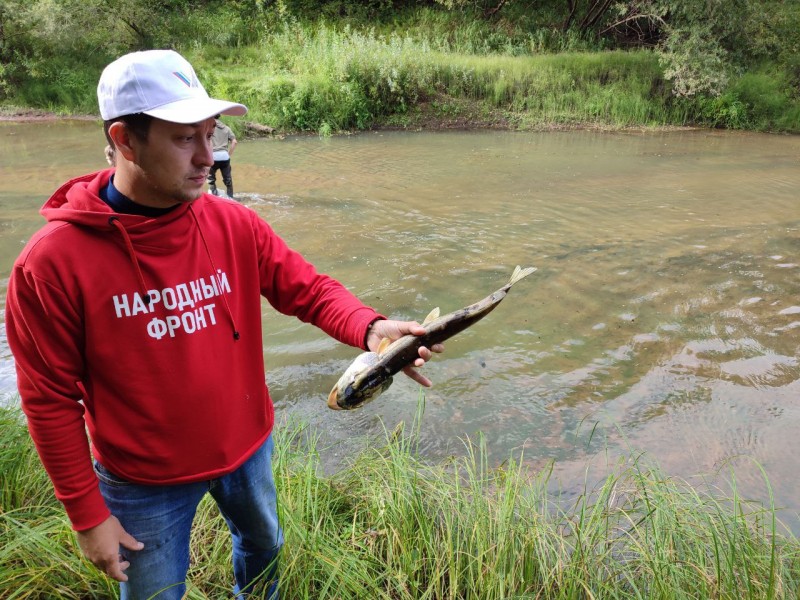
(101,545)
(395,330)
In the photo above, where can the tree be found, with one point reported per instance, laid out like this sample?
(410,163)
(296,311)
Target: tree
(37,37)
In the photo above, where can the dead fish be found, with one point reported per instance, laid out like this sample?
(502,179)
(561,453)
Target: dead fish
(371,373)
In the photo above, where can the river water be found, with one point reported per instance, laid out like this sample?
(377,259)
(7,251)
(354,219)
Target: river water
(664,317)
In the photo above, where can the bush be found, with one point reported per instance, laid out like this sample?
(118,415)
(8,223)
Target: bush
(695,63)
(762,100)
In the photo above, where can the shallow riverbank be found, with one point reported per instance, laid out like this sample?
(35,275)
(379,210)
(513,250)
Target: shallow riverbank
(27,115)
(422,119)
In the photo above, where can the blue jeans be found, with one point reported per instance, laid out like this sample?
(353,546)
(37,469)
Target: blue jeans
(161,518)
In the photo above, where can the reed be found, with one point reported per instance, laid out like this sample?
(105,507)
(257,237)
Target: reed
(390,525)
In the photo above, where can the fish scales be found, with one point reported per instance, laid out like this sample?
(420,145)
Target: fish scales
(437,331)
(357,387)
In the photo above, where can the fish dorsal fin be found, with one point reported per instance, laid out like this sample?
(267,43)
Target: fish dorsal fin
(385,343)
(434,314)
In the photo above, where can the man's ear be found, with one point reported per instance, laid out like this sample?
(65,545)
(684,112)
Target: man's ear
(123,139)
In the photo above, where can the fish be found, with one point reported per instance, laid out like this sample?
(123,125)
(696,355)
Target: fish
(371,373)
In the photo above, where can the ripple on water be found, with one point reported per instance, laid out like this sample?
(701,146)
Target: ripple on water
(679,288)
(763,370)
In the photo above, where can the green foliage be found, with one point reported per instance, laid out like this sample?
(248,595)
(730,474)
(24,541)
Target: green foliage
(726,110)
(613,88)
(48,48)
(298,72)
(225,26)
(762,100)
(361,12)
(463,33)
(57,84)
(352,80)
(763,30)
(695,63)
(344,79)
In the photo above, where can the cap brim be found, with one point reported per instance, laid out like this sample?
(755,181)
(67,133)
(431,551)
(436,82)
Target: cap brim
(194,110)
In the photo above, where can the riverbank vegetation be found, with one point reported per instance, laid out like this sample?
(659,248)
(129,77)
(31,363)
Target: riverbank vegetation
(389,525)
(328,66)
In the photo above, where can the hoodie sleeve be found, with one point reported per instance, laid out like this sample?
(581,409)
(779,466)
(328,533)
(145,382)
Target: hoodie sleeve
(294,287)
(44,331)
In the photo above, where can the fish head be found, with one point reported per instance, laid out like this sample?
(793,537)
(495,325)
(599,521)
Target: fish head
(353,389)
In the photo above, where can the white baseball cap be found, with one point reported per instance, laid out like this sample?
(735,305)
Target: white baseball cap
(159,83)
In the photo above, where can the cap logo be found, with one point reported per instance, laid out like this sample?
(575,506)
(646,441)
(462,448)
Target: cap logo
(183,78)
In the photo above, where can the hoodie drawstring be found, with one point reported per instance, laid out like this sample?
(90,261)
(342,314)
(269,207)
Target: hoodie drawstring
(114,221)
(214,270)
(129,245)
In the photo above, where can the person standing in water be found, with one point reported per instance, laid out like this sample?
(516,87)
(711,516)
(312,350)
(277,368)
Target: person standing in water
(223,144)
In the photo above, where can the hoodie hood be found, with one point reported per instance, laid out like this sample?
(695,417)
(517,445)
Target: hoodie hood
(78,201)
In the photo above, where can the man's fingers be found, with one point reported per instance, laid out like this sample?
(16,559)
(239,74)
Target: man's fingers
(126,540)
(116,571)
(424,354)
(416,329)
(101,545)
(123,566)
(417,376)
(114,567)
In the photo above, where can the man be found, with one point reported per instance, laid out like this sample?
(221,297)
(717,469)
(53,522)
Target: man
(135,313)
(222,143)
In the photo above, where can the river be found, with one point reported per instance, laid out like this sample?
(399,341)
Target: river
(664,317)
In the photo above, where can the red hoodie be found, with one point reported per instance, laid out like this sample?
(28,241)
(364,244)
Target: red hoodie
(173,390)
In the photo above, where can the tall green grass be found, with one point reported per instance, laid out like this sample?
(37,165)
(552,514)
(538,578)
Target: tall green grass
(427,67)
(323,78)
(391,526)
(310,79)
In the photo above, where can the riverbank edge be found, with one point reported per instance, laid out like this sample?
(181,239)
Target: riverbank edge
(422,120)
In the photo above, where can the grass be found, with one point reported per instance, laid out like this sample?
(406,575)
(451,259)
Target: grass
(323,78)
(326,79)
(391,526)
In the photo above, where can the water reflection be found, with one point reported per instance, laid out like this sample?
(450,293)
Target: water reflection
(664,316)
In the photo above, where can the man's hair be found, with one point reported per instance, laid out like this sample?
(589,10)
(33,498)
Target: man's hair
(138,124)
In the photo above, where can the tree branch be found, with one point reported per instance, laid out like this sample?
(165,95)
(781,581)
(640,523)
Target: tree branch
(573,5)
(593,15)
(493,11)
(652,18)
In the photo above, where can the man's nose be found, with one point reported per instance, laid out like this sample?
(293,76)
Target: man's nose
(203,155)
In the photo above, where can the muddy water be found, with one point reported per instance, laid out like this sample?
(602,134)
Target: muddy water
(664,317)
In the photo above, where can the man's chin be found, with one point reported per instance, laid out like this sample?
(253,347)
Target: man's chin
(190,195)
(193,190)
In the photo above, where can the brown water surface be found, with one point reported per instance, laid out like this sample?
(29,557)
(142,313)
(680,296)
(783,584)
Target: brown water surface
(664,317)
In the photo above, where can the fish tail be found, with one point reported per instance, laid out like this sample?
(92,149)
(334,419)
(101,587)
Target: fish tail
(520,273)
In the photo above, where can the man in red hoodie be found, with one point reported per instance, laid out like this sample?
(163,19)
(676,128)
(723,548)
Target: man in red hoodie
(135,313)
